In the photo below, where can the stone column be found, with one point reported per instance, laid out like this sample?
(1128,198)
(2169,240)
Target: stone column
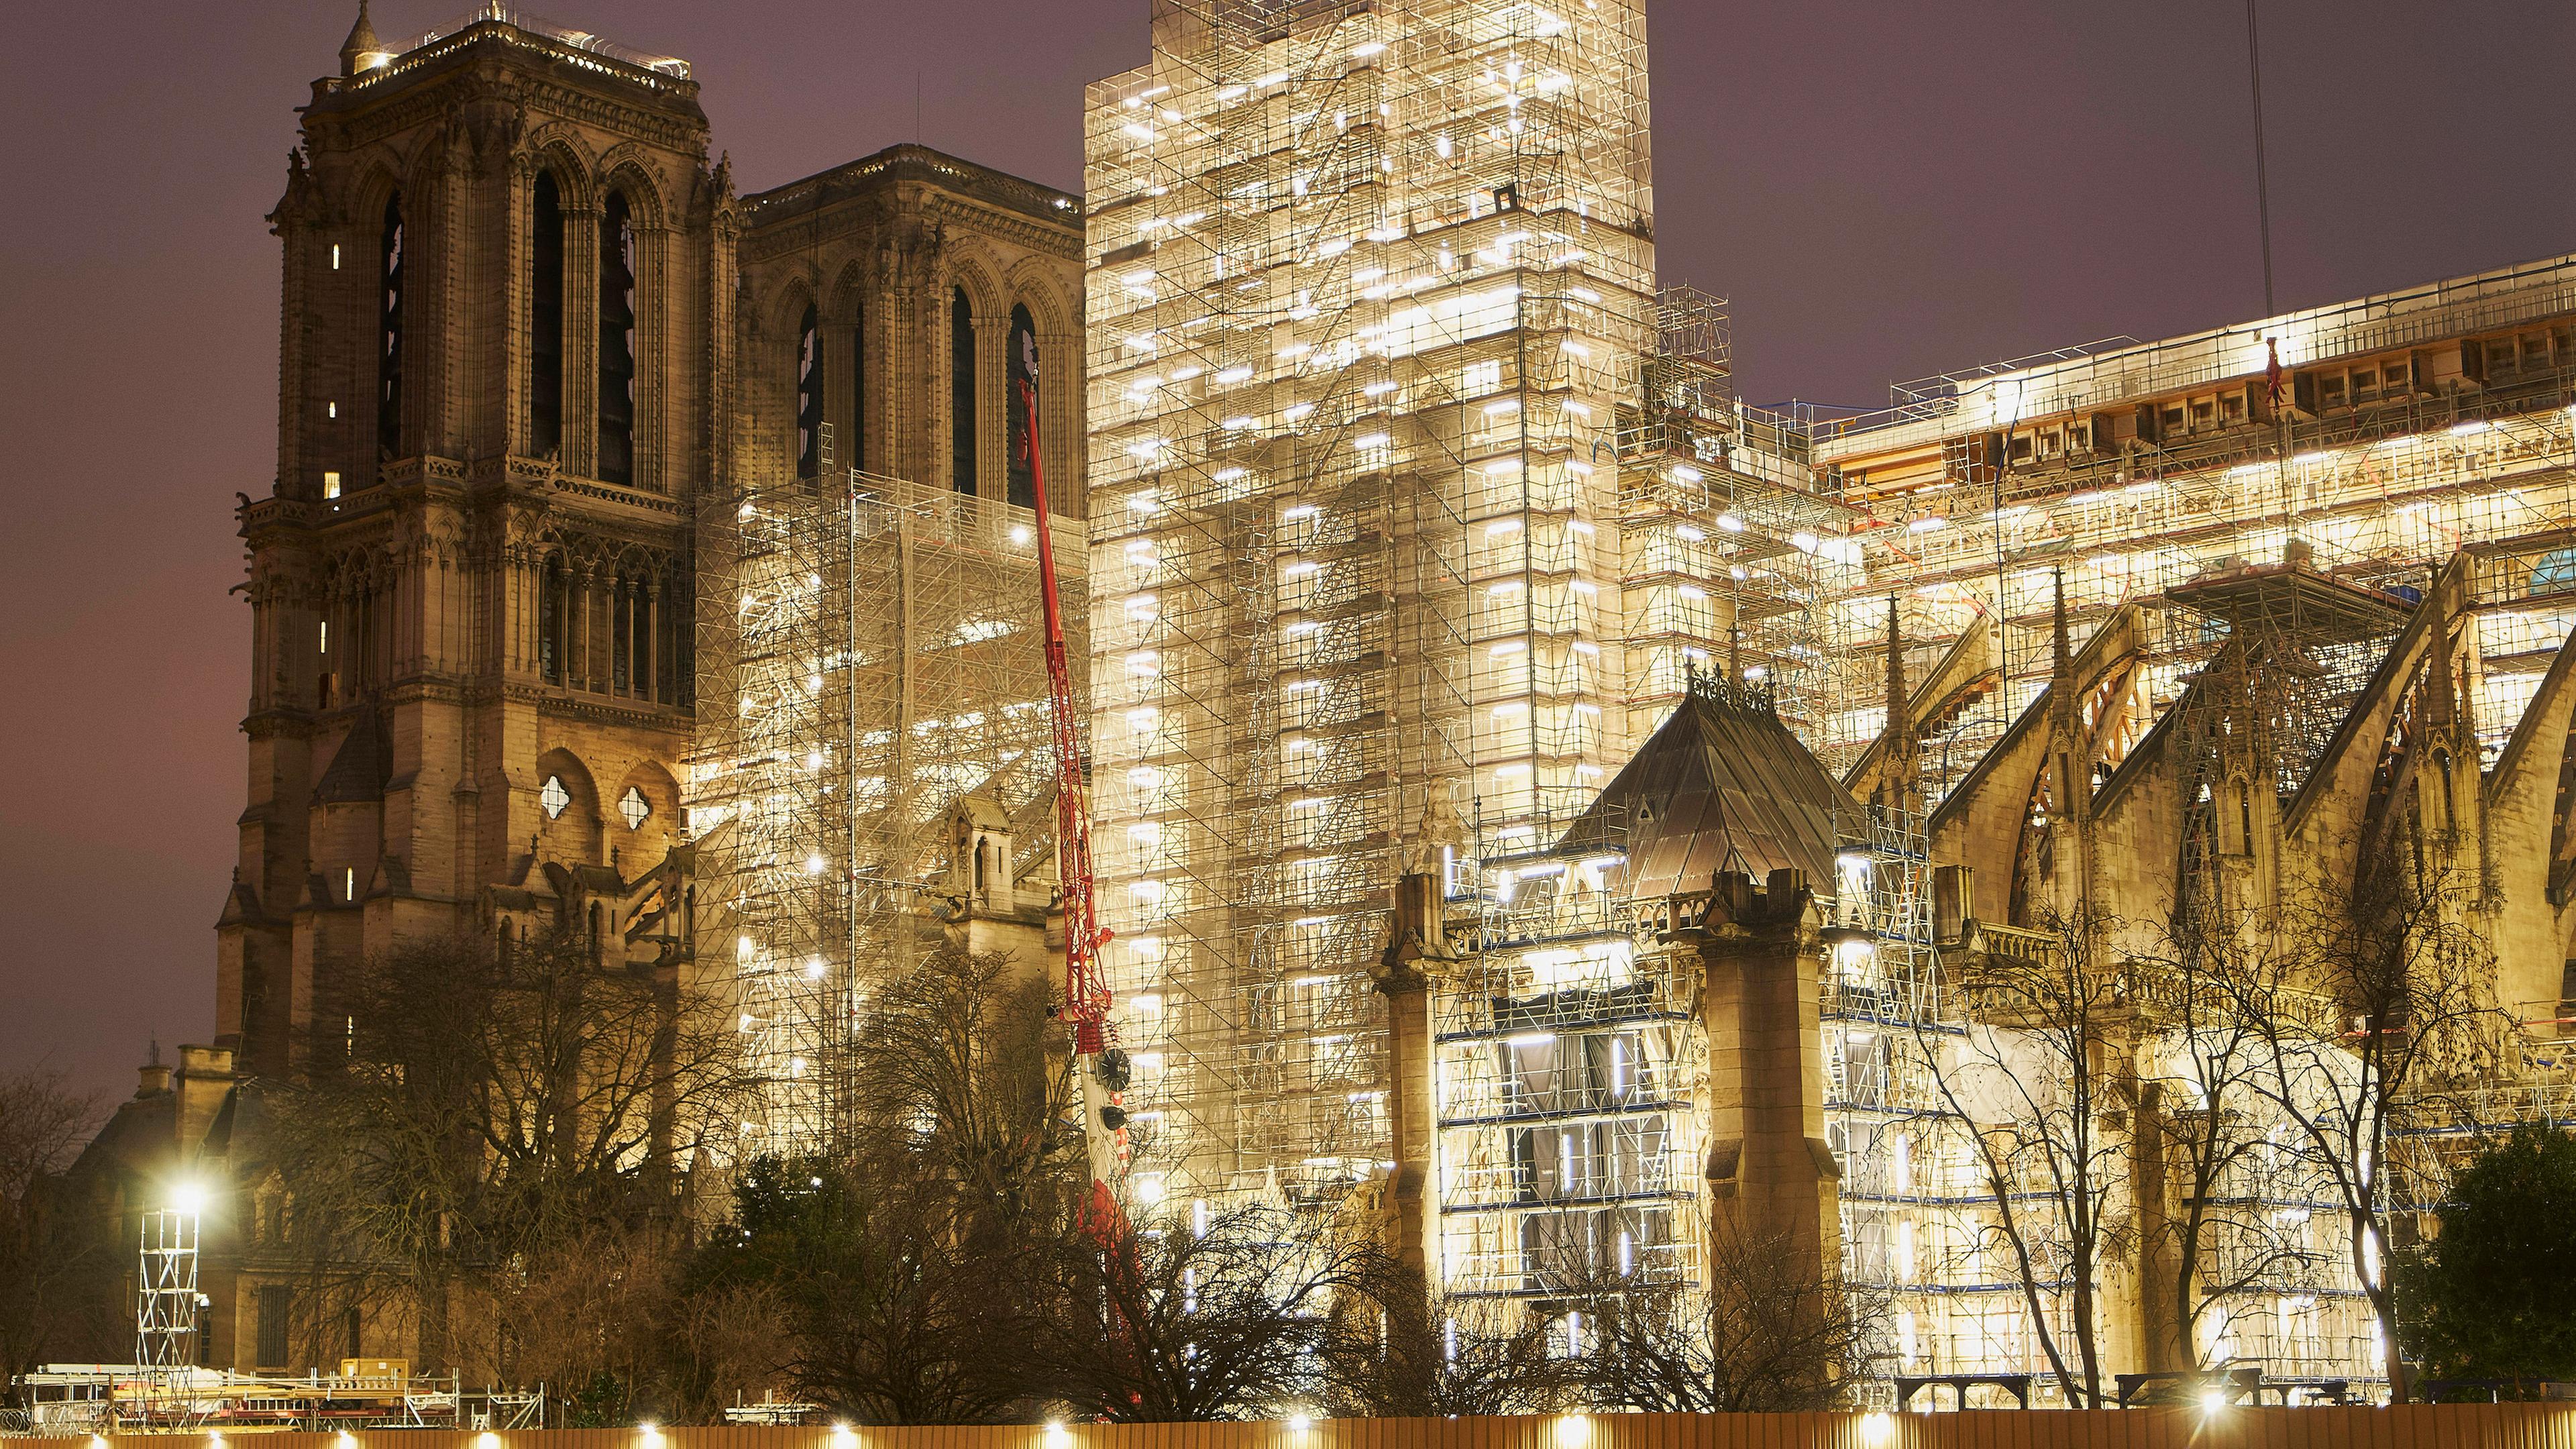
(1417,954)
(653,352)
(1771,1176)
(1060,411)
(577,650)
(518,302)
(992,407)
(642,637)
(581,340)
(2161,1351)
(297,244)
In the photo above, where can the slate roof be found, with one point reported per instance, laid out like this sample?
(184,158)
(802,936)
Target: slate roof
(1723,785)
(362,766)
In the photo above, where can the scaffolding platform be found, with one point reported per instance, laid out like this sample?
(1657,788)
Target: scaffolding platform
(2292,599)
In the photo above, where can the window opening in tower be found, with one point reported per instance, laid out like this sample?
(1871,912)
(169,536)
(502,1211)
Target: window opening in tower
(545,320)
(961,393)
(617,342)
(389,331)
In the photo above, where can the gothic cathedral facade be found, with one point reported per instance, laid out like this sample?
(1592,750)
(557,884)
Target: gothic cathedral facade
(527,330)
(528,335)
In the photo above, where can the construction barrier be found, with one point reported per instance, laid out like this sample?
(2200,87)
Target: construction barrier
(2412,1426)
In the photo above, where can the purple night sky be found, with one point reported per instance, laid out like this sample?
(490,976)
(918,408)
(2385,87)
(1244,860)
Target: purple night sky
(1882,194)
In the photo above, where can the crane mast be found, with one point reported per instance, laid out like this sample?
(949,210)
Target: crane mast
(1099,1066)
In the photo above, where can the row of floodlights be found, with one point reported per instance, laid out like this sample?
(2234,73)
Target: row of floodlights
(1572,1431)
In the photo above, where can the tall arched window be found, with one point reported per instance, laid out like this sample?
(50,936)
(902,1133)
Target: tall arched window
(961,393)
(554,622)
(389,331)
(545,318)
(809,395)
(617,341)
(1021,456)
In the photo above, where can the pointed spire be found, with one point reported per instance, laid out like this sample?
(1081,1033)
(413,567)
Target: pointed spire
(2440,698)
(1896,693)
(361,51)
(2062,672)
(1897,773)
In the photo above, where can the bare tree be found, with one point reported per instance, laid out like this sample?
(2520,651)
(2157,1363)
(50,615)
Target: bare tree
(2035,1078)
(2214,1156)
(1183,1319)
(907,1259)
(2377,1007)
(620,1328)
(494,1110)
(965,1088)
(54,1269)
(722,1344)
(891,1317)
(1404,1351)
(1767,1333)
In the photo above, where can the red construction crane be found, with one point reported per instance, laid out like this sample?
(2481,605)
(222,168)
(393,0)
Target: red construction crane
(1101,1068)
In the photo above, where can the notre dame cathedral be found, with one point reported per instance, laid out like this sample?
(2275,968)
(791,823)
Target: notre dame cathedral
(526,328)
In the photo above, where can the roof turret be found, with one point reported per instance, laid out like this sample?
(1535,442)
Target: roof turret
(362,50)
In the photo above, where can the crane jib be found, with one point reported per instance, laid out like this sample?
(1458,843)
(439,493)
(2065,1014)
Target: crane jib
(1086,983)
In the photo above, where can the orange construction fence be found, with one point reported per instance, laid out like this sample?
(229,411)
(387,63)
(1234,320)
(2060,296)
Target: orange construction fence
(2412,1426)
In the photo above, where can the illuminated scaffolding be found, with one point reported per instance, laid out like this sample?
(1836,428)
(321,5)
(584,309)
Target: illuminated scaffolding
(2273,542)
(166,1302)
(1574,1091)
(2134,469)
(1571,1064)
(1366,284)
(1722,530)
(869,654)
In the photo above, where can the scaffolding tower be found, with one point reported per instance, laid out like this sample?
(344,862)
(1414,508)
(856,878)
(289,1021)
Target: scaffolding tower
(165,1301)
(869,654)
(1366,280)
(1722,528)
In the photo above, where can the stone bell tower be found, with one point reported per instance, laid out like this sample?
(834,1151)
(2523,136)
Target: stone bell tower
(507,273)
